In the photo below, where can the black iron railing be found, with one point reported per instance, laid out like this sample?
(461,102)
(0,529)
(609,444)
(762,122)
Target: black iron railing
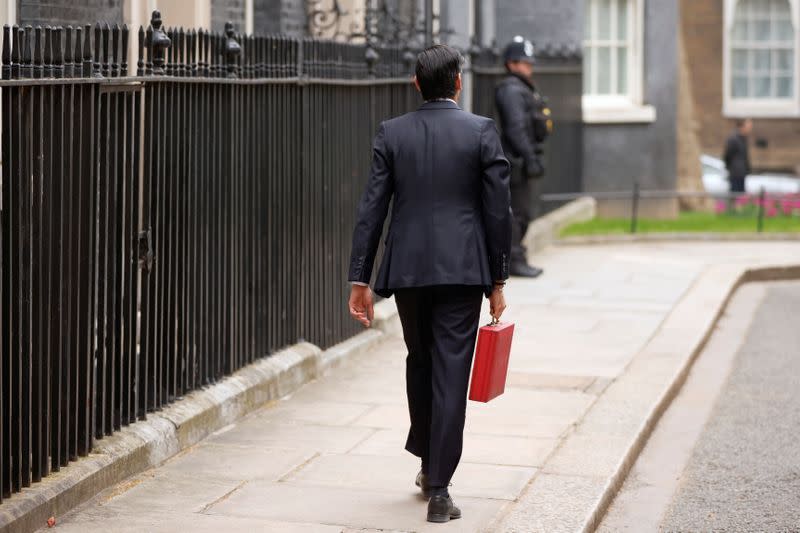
(168,221)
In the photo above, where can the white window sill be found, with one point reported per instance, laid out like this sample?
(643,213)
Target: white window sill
(760,109)
(618,114)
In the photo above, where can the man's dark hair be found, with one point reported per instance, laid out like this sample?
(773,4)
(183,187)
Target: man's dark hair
(740,122)
(437,70)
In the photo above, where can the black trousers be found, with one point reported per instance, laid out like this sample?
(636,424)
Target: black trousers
(440,324)
(737,184)
(524,209)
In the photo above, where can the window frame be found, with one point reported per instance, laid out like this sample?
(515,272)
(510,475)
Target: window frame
(628,107)
(757,107)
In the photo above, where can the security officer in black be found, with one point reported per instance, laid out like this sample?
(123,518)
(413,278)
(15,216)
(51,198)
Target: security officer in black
(525,123)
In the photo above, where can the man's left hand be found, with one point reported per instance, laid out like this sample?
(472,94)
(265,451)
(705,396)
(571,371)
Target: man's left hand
(361,306)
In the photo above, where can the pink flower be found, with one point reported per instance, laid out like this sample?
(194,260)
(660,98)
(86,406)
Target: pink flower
(772,211)
(742,201)
(721,207)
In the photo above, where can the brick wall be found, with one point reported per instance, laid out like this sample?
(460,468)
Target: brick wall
(702,27)
(69,12)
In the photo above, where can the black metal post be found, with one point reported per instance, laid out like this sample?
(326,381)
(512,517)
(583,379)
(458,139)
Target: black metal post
(635,206)
(761,198)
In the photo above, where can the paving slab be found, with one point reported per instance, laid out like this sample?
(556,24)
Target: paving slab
(372,472)
(400,509)
(598,341)
(251,461)
(478,448)
(154,522)
(333,439)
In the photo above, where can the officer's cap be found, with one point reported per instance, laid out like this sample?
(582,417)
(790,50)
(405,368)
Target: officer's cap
(520,49)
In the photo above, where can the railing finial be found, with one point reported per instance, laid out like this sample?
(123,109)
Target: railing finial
(232,49)
(6,52)
(159,43)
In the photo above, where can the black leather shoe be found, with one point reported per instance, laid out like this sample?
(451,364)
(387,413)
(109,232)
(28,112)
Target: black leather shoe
(422,483)
(442,509)
(524,270)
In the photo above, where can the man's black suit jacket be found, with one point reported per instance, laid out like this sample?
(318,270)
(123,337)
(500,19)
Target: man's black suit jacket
(451,215)
(737,156)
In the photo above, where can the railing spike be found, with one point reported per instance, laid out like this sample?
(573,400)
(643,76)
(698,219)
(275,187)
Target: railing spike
(27,60)
(37,53)
(6,52)
(98,51)
(140,57)
(105,51)
(48,52)
(16,51)
(181,53)
(87,51)
(192,59)
(115,50)
(148,43)
(123,66)
(71,61)
(58,53)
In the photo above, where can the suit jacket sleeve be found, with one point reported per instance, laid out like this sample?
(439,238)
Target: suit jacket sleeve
(372,211)
(511,106)
(496,201)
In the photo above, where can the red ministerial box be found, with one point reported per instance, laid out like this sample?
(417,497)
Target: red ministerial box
(491,362)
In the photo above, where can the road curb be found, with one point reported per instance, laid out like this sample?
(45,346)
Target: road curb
(777,273)
(671,236)
(148,443)
(612,434)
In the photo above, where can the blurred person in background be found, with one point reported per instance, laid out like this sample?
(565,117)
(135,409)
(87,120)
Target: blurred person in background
(525,124)
(737,155)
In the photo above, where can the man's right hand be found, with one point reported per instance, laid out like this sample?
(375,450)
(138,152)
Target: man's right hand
(361,304)
(497,302)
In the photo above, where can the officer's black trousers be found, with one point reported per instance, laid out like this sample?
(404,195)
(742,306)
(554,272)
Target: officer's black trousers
(524,208)
(737,184)
(440,324)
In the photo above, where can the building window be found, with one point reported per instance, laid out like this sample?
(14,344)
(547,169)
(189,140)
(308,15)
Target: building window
(612,64)
(607,47)
(762,50)
(761,58)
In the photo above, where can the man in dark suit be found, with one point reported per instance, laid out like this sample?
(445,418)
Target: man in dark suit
(448,244)
(737,156)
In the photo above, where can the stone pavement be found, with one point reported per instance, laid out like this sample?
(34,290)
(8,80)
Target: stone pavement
(330,458)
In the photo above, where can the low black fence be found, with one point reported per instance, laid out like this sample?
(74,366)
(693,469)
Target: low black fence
(743,212)
(558,76)
(167,222)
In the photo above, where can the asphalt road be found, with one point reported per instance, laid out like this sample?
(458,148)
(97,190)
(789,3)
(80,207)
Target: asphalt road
(744,471)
